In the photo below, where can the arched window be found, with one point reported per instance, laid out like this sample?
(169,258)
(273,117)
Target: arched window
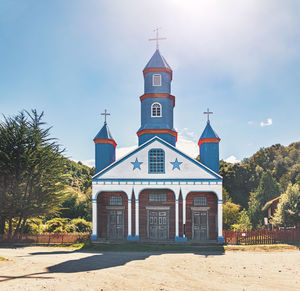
(156,80)
(156,110)
(156,161)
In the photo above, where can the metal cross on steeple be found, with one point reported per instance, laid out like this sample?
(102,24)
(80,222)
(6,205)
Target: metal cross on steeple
(157,38)
(208,112)
(105,114)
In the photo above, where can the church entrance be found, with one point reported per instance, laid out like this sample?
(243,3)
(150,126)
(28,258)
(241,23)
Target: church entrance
(158,224)
(200,225)
(115,224)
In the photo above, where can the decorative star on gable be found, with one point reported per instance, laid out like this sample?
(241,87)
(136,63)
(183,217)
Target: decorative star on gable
(136,164)
(176,165)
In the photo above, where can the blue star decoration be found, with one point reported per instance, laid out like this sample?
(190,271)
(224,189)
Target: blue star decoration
(136,164)
(176,165)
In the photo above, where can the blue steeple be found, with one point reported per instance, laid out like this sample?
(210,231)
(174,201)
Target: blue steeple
(105,149)
(157,61)
(157,103)
(209,148)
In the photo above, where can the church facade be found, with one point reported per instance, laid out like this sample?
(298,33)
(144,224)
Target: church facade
(157,192)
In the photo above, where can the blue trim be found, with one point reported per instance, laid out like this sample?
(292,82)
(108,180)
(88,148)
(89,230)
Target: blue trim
(180,239)
(220,201)
(167,145)
(221,239)
(94,200)
(133,238)
(94,237)
(159,180)
(149,171)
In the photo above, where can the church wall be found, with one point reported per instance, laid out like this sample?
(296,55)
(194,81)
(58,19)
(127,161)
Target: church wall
(165,83)
(102,202)
(144,201)
(212,203)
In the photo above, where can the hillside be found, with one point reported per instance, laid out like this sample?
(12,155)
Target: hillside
(242,178)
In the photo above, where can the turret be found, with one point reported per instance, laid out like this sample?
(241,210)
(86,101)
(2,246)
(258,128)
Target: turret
(105,148)
(209,147)
(157,103)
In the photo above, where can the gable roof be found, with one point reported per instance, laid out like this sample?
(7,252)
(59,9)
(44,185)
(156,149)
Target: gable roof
(156,138)
(269,203)
(157,61)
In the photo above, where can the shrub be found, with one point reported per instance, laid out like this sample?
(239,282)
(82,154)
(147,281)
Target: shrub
(33,226)
(81,225)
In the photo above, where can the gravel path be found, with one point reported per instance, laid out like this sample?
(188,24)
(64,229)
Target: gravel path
(42,268)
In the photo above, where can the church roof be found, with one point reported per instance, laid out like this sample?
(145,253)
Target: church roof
(157,61)
(213,174)
(208,132)
(104,133)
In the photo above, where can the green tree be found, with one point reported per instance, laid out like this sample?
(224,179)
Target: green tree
(231,214)
(244,222)
(31,170)
(288,209)
(267,190)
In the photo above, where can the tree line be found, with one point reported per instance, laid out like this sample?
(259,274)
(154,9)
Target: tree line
(271,172)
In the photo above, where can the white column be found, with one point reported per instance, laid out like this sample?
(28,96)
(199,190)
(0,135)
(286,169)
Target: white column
(183,213)
(220,219)
(137,224)
(94,219)
(129,217)
(177,218)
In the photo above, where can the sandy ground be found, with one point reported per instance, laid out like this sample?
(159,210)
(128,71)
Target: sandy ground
(42,268)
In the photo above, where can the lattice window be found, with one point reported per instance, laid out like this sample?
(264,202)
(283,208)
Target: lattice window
(156,161)
(115,200)
(156,110)
(156,80)
(200,201)
(157,197)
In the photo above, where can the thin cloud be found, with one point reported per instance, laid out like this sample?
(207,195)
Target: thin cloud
(268,123)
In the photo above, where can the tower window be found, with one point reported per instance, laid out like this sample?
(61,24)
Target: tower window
(156,161)
(156,110)
(156,80)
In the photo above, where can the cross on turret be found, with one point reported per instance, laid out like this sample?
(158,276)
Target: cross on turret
(157,38)
(105,114)
(208,113)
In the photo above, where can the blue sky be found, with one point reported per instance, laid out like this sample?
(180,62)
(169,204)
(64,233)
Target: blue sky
(72,59)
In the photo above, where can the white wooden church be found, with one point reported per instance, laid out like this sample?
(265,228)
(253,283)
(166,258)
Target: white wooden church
(157,192)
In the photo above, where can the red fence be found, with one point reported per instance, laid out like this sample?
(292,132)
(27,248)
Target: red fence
(46,238)
(261,236)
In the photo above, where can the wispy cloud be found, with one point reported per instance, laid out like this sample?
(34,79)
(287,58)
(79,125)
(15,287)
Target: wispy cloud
(250,122)
(232,160)
(268,123)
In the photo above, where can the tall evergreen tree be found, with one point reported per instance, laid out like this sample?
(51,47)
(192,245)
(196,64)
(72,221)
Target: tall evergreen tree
(31,170)
(267,190)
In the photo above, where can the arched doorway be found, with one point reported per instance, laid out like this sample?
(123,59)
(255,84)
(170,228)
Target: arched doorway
(112,215)
(157,214)
(201,216)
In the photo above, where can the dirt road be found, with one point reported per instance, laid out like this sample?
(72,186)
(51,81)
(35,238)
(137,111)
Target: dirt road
(42,268)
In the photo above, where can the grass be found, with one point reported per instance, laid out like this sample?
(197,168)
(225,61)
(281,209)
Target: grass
(263,248)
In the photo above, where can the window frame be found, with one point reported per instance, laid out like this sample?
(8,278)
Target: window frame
(154,76)
(113,197)
(163,162)
(157,197)
(160,109)
(200,204)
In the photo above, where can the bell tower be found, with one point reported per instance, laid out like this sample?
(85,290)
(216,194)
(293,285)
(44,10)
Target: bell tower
(157,103)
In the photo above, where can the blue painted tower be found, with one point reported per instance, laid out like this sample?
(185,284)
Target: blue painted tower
(157,103)
(209,148)
(105,149)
